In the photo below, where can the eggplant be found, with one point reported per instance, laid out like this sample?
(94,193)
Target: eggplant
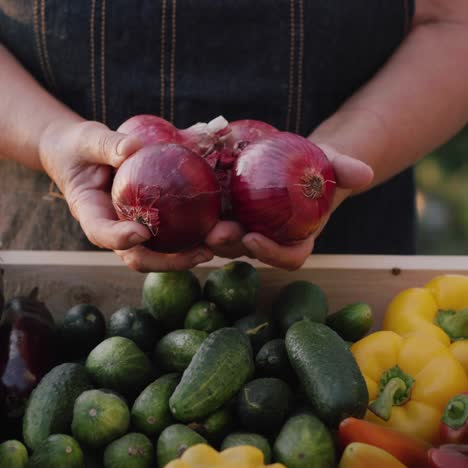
(27,352)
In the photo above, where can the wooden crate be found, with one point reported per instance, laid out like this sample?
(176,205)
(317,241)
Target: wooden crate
(67,278)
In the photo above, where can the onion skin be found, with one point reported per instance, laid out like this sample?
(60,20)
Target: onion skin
(282,187)
(244,132)
(172,191)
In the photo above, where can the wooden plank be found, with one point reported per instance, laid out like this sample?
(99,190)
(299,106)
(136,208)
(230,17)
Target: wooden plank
(67,278)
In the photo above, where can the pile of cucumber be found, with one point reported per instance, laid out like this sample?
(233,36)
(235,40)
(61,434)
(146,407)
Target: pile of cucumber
(197,365)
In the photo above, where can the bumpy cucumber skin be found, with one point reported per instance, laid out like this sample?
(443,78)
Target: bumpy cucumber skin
(150,411)
(237,439)
(328,371)
(351,322)
(13,454)
(133,450)
(173,442)
(304,441)
(272,361)
(175,350)
(223,363)
(50,406)
(57,451)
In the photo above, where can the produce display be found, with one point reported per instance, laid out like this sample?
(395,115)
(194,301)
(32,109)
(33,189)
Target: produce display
(181,182)
(202,376)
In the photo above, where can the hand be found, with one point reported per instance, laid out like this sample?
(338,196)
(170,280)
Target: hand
(228,239)
(80,157)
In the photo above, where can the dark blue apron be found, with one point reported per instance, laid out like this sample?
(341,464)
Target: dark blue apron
(288,62)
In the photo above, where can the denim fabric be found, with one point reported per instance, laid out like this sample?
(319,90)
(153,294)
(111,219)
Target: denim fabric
(288,62)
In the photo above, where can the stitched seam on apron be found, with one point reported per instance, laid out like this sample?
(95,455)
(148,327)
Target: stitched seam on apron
(291,63)
(37,38)
(163,58)
(172,67)
(50,75)
(103,61)
(92,58)
(300,65)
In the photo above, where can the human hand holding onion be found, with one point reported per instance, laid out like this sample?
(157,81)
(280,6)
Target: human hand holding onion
(280,186)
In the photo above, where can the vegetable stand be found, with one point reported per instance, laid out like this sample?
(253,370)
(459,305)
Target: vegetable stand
(67,278)
(222,365)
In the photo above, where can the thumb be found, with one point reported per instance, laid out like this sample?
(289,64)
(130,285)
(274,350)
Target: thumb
(103,146)
(351,173)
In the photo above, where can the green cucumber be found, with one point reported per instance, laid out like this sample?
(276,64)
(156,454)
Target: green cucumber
(237,439)
(304,441)
(233,288)
(260,329)
(351,322)
(118,364)
(222,364)
(57,451)
(13,454)
(136,324)
(168,296)
(133,450)
(174,441)
(50,406)
(215,426)
(174,351)
(272,361)
(150,411)
(99,417)
(299,300)
(205,316)
(264,404)
(328,371)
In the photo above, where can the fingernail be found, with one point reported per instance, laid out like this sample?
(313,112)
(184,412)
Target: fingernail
(253,243)
(136,238)
(202,257)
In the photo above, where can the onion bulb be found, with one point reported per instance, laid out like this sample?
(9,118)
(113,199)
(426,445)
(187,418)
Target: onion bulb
(172,191)
(282,187)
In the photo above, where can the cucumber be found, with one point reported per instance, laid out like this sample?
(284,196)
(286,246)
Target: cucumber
(169,295)
(222,364)
(233,288)
(263,405)
(205,316)
(215,426)
(133,450)
(118,364)
(272,361)
(13,454)
(174,441)
(150,411)
(351,322)
(50,406)
(299,300)
(136,324)
(99,417)
(174,351)
(57,451)
(237,439)
(260,329)
(328,371)
(304,441)
(83,327)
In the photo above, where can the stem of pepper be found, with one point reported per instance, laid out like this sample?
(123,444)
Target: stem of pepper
(456,412)
(395,389)
(455,324)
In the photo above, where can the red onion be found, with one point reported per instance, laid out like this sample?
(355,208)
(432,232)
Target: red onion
(172,191)
(202,138)
(282,187)
(244,132)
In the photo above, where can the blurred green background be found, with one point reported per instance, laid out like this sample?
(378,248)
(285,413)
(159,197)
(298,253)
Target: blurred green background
(442,199)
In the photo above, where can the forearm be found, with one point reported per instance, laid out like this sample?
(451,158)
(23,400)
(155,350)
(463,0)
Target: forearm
(416,102)
(26,110)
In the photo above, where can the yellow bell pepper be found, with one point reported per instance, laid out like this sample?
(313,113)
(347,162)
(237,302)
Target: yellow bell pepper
(204,456)
(410,379)
(359,455)
(440,309)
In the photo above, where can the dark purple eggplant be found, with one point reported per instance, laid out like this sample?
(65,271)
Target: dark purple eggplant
(27,351)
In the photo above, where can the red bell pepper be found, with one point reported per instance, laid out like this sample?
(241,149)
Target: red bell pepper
(454,425)
(449,456)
